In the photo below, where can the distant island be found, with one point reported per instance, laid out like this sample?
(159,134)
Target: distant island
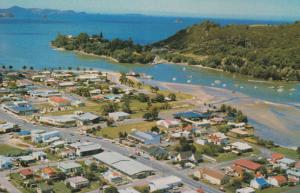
(261,51)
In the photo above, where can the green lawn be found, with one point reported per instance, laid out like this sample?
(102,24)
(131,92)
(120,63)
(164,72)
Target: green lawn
(7,149)
(113,132)
(274,190)
(287,152)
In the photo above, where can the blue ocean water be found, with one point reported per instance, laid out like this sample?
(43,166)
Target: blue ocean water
(25,41)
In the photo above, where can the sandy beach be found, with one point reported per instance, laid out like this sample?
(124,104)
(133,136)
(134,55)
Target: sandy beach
(274,121)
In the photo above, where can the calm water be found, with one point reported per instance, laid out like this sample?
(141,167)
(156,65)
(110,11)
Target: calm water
(27,42)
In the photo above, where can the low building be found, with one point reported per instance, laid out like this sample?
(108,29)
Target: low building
(211,175)
(44,93)
(28,159)
(259,183)
(113,177)
(275,157)
(87,119)
(48,173)
(241,147)
(201,141)
(191,116)
(146,138)
(59,121)
(286,163)
(124,164)
(69,167)
(239,132)
(46,137)
(77,182)
(20,108)
(39,155)
(245,190)
(248,165)
(66,84)
(165,183)
(128,190)
(188,156)
(293,174)
(59,101)
(119,116)
(277,181)
(5,162)
(8,127)
(169,124)
(86,148)
(218,138)
(26,173)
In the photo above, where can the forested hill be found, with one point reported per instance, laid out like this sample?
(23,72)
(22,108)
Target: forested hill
(262,51)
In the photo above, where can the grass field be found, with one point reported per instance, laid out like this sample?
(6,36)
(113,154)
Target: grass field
(7,149)
(287,152)
(113,132)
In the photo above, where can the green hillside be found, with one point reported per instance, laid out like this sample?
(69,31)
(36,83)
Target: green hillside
(262,51)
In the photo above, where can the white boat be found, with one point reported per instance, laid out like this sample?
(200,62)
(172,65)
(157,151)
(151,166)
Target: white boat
(183,68)
(174,79)
(292,89)
(218,81)
(280,90)
(241,87)
(213,84)
(224,85)
(188,81)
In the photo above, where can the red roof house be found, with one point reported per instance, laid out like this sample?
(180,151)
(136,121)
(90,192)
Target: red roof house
(248,164)
(26,173)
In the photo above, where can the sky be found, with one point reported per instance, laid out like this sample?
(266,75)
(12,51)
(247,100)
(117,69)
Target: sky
(258,9)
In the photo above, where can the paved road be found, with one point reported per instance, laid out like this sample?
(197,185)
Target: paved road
(69,134)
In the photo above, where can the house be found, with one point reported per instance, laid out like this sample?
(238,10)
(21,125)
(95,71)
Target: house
(188,156)
(59,101)
(218,138)
(238,132)
(69,167)
(245,190)
(191,116)
(275,157)
(169,124)
(39,155)
(119,116)
(5,162)
(259,183)
(44,93)
(26,173)
(146,138)
(293,174)
(87,119)
(297,165)
(44,189)
(201,141)
(77,182)
(46,137)
(211,175)
(241,147)
(20,108)
(113,177)
(128,190)
(248,165)
(286,163)
(165,183)
(26,159)
(8,127)
(66,84)
(277,181)
(48,173)
(86,148)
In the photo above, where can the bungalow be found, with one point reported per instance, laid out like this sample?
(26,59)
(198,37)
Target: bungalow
(59,101)
(188,156)
(146,138)
(201,141)
(26,159)
(26,173)
(77,182)
(128,190)
(87,119)
(39,155)
(218,138)
(245,190)
(275,157)
(5,162)
(241,147)
(286,163)
(20,108)
(119,116)
(211,175)
(48,173)
(69,167)
(44,93)
(191,116)
(46,137)
(293,174)
(248,165)
(238,132)
(165,183)
(113,177)
(66,84)
(59,121)
(259,183)
(277,181)
(169,124)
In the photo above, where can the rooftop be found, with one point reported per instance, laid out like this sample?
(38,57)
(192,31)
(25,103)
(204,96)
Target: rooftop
(248,164)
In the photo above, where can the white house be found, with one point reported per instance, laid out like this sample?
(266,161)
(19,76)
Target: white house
(245,190)
(77,182)
(113,177)
(119,116)
(241,147)
(277,181)
(286,163)
(146,138)
(168,123)
(259,183)
(5,162)
(164,183)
